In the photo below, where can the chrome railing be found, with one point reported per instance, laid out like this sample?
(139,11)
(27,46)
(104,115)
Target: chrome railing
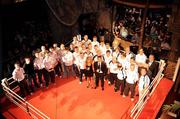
(137,109)
(20,102)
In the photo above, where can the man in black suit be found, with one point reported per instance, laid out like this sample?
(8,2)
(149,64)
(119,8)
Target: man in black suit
(153,67)
(100,70)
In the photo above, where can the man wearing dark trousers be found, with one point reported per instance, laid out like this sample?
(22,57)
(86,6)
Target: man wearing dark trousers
(30,74)
(100,70)
(18,75)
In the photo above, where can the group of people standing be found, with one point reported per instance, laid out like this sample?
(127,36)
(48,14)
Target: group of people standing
(89,60)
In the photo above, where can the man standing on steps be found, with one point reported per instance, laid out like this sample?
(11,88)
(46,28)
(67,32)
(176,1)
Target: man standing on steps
(100,70)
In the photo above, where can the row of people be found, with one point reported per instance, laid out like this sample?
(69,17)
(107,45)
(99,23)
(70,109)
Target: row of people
(90,59)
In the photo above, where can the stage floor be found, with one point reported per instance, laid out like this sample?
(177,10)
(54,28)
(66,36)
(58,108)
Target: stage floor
(70,100)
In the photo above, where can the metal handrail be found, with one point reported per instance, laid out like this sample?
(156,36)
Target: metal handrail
(135,112)
(21,103)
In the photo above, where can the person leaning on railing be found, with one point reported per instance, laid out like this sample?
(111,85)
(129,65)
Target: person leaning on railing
(19,76)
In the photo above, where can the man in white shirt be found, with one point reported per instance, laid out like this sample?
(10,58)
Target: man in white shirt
(40,69)
(141,58)
(132,78)
(121,77)
(76,62)
(144,81)
(129,54)
(82,66)
(68,61)
(122,60)
(50,63)
(18,75)
(113,70)
(95,42)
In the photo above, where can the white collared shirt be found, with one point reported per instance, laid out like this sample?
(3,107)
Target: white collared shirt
(76,57)
(18,74)
(38,63)
(107,60)
(121,74)
(144,81)
(132,77)
(68,58)
(141,58)
(113,68)
(123,62)
(82,63)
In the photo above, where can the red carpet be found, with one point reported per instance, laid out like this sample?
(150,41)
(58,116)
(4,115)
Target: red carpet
(70,100)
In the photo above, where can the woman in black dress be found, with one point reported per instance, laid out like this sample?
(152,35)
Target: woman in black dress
(89,71)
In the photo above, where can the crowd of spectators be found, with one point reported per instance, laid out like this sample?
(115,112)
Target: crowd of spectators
(128,26)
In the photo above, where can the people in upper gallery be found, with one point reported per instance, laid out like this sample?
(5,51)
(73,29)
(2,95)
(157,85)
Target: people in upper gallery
(30,74)
(144,81)
(19,75)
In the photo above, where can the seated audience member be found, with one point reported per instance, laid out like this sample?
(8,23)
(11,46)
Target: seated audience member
(132,78)
(100,70)
(144,81)
(18,75)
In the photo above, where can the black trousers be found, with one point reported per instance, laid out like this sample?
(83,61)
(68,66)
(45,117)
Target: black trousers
(46,77)
(118,84)
(57,70)
(31,78)
(82,71)
(112,78)
(130,87)
(40,74)
(69,70)
(99,76)
(23,88)
(52,76)
(76,70)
